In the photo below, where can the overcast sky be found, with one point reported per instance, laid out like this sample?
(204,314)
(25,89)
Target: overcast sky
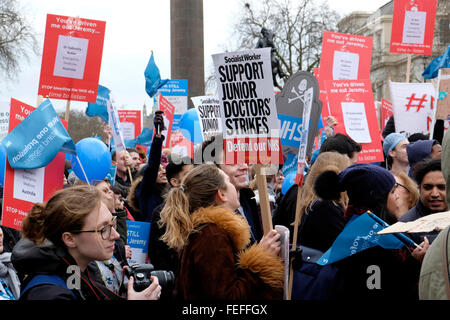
(133,29)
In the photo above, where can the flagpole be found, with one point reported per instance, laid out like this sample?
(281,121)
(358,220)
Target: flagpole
(82,169)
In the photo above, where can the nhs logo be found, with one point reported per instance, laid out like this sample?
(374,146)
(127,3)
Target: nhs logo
(290,130)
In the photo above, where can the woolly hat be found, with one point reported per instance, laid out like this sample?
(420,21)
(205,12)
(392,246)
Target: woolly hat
(419,150)
(391,141)
(366,184)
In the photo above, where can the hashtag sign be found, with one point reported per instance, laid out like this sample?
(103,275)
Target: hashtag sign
(413,100)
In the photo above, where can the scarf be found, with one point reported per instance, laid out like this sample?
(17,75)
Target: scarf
(8,273)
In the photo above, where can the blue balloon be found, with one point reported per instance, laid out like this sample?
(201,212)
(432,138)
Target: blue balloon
(288,181)
(2,163)
(190,126)
(94,157)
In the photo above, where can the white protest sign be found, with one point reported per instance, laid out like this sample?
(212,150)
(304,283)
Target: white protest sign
(355,121)
(71,56)
(429,223)
(29,184)
(413,107)
(208,111)
(115,125)
(414,27)
(251,129)
(345,65)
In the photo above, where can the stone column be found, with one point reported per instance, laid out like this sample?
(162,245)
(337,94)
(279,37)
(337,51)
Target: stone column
(186,41)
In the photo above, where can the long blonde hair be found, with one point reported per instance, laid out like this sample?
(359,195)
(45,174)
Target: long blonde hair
(198,190)
(333,161)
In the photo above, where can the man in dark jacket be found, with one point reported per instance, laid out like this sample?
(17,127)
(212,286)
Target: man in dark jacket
(432,196)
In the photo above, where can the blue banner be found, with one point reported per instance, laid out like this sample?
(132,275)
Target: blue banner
(99,108)
(359,234)
(152,78)
(36,141)
(138,234)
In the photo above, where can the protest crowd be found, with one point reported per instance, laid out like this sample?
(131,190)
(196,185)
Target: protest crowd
(223,223)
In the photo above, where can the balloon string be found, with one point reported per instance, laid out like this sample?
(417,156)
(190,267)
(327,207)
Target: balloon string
(82,169)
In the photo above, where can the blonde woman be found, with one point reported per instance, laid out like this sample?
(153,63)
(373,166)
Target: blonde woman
(403,196)
(216,262)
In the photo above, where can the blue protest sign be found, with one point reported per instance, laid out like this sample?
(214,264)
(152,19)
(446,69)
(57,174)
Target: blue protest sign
(99,108)
(152,78)
(35,141)
(359,234)
(176,92)
(138,234)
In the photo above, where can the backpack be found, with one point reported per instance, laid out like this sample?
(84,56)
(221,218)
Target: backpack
(46,279)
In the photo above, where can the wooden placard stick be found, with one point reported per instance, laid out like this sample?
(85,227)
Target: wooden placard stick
(67,111)
(261,182)
(39,100)
(298,218)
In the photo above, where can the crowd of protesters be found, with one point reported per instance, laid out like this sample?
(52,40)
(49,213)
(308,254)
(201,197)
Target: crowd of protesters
(206,224)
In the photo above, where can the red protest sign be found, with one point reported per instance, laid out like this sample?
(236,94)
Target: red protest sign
(345,56)
(71,58)
(22,188)
(386,112)
(352,104)
(413,26)
(180,145)
(130,122)
(322,94)
(168,111)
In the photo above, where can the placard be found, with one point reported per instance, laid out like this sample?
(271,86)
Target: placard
(138,234)
(71,58)
(413,26)
(249,115)
(208,111)
(443,97)
(168,112)
(25,187)
(352,104)
(386,112)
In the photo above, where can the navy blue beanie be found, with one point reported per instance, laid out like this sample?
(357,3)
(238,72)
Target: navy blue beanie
(366,184)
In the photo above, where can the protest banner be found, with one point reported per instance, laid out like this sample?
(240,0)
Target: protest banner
(413,106)
(168,111)
(24,187)
(4,119)
(345,56)
(290,105)
(352,104)
(386,112)
(71,58)
(413,26)
(138,234)
(249,116)
(432,222)
(208,110)
(443,96)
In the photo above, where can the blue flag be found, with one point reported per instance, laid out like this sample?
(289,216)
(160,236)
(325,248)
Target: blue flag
(36,141)
(152,78)
(432,70)
(99,108)
(359,234)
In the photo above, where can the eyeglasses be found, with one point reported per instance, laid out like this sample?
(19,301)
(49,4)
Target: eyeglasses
(105,232)
(399,185)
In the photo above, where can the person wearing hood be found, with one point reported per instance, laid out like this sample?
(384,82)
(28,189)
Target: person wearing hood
(367,187)
(420,150)
(9,281)
(60,238)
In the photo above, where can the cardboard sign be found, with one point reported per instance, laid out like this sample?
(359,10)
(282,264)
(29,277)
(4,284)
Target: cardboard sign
(290,105)
(138,234)
(429,223)
(168,112)
(413,26)
(386,112)
(413,105)
(208,111)
(345,56)
(443,98)
(24,187)
(249,115)
(71,58)
(352,104)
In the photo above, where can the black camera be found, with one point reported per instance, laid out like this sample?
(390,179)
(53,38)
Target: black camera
(142,272)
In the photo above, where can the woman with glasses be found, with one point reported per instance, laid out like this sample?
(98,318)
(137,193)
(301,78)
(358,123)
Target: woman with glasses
(60,239)
(403,196)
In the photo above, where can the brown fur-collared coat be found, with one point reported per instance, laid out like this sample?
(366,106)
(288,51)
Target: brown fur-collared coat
(217,265)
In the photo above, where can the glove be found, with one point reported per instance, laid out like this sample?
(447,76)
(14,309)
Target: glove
(158,122)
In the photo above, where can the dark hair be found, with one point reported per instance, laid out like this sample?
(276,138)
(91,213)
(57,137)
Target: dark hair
(132,150)
(118,190)
(175,166)
(206,152)
(417,136)
(342,144)
(422,168)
